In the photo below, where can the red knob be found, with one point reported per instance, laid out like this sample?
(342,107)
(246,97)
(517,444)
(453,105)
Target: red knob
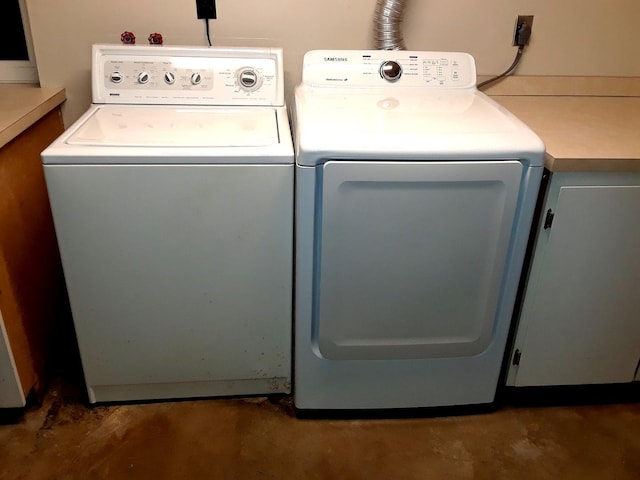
(128,38)
(155,39)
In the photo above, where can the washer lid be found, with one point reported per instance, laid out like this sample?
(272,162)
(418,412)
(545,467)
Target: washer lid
(151,126)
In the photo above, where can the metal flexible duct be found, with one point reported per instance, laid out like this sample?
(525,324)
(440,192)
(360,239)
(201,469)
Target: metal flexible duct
(387,23)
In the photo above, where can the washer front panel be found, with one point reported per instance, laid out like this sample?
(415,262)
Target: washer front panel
(178,276)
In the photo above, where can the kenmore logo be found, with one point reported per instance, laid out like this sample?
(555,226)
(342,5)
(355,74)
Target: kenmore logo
(336,59)
(114,94)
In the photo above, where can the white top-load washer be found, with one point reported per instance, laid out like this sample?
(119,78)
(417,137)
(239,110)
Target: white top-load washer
(414,199)
(172,198)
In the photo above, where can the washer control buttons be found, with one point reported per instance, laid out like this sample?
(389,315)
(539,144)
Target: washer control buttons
(169,78)
(116,77)
(391,70)
(248,79)
(196,79)
(143,77)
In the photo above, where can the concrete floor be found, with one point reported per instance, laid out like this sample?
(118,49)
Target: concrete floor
(258,438)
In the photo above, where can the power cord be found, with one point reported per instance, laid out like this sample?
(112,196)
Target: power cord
(522,38)
(206,27)
(506,72)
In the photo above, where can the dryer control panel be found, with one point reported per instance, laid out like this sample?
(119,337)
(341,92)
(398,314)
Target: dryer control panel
(159,75)
(383,68)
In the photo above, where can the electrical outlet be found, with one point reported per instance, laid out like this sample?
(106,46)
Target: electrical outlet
(206,9)
(522,30)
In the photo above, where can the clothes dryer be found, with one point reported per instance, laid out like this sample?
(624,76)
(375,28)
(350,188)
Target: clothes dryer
(414,199)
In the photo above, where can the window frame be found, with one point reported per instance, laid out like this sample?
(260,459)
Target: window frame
(21,71)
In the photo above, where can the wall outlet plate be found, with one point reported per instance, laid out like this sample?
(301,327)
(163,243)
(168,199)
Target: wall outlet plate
(520,21)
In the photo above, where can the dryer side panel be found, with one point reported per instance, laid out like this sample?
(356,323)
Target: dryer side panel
(410,257)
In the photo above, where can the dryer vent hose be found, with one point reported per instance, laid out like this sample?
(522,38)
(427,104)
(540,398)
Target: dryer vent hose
(387,25)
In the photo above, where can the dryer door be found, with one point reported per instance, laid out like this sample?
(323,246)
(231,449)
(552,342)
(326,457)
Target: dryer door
(410,257)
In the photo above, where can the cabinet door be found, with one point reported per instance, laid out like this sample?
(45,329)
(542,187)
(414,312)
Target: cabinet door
(11,395)
(580,321)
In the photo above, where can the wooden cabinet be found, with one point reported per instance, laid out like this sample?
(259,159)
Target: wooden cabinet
(579,322)
(31,282)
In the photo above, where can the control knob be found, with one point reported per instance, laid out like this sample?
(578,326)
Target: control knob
(116,77)
(169,78)
(143,77)
(196,79)
(391,70)
(249,79)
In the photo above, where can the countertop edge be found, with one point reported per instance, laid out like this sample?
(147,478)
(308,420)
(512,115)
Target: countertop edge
(555,85)
(591,165)
(53,99)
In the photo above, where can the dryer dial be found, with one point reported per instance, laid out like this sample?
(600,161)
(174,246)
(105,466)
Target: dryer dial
(391,70)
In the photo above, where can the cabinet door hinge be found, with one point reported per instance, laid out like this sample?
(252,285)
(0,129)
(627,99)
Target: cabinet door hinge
(516,357)
(548,220)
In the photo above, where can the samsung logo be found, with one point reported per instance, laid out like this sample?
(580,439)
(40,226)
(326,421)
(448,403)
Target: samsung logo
(336,59)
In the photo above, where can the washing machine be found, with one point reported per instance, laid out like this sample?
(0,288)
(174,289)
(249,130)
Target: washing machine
(414,199)
(172,199)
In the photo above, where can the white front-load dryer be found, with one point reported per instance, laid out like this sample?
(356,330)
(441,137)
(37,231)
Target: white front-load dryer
(414,199)
(172,198)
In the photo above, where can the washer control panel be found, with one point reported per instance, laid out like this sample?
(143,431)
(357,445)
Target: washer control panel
(382,68)
(187,75)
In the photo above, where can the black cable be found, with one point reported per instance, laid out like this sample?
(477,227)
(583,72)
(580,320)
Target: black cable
(507,71)
(206,24)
